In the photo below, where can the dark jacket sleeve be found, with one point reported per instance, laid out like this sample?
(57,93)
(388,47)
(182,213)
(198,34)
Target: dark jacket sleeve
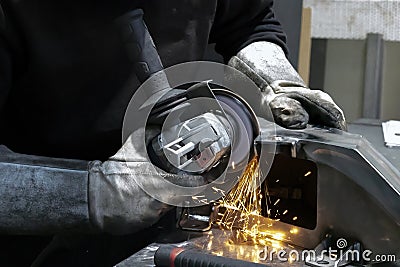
(240,22)
(5,63)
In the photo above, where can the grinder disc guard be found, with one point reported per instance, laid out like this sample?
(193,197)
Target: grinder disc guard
(243,123)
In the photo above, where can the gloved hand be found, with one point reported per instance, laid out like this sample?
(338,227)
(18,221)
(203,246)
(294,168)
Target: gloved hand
(293,104)
(117,203)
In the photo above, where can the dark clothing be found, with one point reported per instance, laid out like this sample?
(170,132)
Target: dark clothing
(65,79)
(64,72)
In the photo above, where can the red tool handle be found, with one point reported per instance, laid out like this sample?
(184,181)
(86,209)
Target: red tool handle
(171,256)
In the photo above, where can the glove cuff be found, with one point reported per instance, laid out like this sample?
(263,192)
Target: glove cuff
(265,63)
(117,204)
(42,195)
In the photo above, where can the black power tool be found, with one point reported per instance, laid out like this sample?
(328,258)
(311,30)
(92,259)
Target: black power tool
(194,137)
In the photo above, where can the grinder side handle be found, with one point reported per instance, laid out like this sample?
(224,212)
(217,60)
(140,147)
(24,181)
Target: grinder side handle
(139,44)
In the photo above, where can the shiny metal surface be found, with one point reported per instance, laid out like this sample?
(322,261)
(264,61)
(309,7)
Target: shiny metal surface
(358,198)
(358,189)
(372,131)
(217,242)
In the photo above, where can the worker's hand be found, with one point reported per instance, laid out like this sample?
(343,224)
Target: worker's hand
(118,203)
(291,102)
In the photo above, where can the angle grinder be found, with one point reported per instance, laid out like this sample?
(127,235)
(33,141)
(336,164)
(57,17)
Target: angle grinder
(217,126)
(201,126)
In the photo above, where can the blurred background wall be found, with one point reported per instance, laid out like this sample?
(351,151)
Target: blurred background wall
(339,53)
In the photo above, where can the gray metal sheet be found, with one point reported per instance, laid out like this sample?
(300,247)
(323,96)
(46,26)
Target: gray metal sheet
(374,134)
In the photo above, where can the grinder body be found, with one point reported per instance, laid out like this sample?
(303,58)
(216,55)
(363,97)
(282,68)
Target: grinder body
(199,127)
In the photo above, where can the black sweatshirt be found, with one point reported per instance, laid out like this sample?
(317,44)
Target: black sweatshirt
(65,80)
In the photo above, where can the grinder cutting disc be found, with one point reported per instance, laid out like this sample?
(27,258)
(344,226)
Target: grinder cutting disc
(243,125)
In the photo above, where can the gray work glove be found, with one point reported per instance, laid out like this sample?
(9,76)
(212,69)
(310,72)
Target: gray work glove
(117,203)
(293,104)
(41,195)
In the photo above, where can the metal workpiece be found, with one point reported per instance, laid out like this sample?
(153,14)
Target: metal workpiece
(325,181)
(213,243)
(335,183)
(358,190)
